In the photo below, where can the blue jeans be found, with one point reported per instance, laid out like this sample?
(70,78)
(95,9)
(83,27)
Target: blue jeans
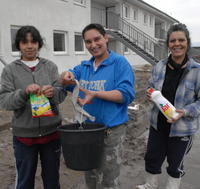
(26,164)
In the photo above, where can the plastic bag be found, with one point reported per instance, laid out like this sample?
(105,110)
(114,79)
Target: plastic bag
(40,106)
(80,114)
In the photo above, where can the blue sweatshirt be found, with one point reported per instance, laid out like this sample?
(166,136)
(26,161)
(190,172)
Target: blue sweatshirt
(114,73)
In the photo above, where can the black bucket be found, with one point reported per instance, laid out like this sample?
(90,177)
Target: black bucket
(82,147)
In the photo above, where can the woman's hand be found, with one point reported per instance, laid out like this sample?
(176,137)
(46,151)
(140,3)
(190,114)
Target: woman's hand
(180,115)
(33,89)
(47,90)
(88,96)
(67,78)
(148,95)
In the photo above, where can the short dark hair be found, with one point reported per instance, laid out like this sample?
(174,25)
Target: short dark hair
(95,26)
(22,34)
(179,27)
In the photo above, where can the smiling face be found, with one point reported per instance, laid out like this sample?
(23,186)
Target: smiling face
(96,43)
(178,45)
(28,48)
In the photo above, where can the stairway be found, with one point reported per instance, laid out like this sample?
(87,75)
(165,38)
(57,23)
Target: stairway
(141,43)
(133,46)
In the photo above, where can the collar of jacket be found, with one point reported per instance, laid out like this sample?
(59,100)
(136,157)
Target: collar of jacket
(174,66)
(42,61)
(106,62)
(190,64)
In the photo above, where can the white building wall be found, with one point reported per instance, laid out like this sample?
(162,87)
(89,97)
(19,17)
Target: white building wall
(65,15)
(139,23)
(47,16)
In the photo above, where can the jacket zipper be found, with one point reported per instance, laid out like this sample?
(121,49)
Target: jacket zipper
(33,75)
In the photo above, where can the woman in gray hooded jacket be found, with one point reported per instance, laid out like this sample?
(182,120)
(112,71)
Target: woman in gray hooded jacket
(32,136)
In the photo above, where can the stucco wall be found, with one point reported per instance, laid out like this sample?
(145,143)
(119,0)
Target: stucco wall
(62,15)
(47,16)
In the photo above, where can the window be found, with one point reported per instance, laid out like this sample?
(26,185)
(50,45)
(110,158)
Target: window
(126,11)
(151,20)
(59,41)
(145,18)
(125,49)
(135,15)
(79,47)
(82,2)
(13,31)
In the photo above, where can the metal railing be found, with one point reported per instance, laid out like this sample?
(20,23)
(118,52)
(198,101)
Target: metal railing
(135,35)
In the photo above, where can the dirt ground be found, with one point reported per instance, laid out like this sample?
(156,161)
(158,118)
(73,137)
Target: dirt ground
(69,179)
(132,172)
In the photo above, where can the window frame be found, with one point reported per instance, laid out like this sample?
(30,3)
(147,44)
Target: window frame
(82,3)
(126,11)
(150,20)
(12,39)
(135,15)
(145,18)
(65,42)
(78,52)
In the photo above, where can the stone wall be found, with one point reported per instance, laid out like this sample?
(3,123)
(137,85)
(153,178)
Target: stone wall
(142,76)
(139,116)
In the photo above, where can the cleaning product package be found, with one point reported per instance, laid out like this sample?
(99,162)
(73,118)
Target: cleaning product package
(40,106)
(168,110)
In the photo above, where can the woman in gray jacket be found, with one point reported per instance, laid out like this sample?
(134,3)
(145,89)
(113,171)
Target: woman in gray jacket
(32,136)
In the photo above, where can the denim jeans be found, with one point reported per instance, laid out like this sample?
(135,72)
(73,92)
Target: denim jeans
(27,160)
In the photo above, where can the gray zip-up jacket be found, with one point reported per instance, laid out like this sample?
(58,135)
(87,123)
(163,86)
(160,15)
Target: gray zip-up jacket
(14,80)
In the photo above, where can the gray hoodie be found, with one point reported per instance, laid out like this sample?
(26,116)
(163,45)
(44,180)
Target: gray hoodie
(14,80)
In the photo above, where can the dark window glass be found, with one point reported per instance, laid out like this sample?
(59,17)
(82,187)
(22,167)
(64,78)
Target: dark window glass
(13,32)
(59,41)
(78,43)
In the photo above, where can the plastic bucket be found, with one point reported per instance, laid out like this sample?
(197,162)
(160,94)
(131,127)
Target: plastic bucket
(82,147)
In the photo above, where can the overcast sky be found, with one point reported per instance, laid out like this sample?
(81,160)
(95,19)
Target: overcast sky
(185,11)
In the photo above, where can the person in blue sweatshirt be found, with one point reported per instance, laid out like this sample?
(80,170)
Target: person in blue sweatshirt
(106,89)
